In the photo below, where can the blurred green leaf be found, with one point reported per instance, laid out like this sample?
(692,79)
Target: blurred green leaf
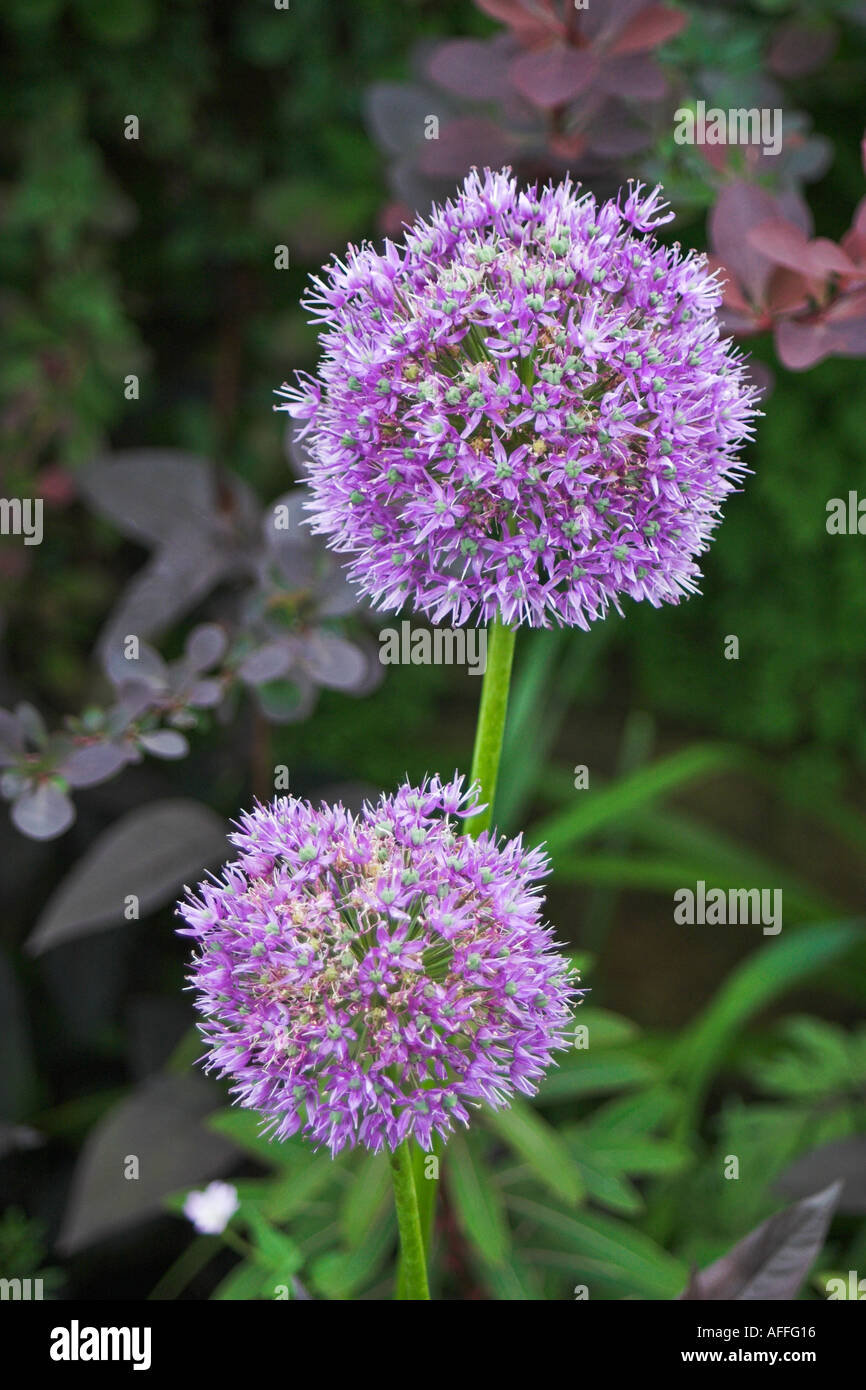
(781,965)
(365,1197)
(606,805)
(585,1074)
(280,1252)
(540,1146)
(611,1247)
(478,1206)
(342,1275)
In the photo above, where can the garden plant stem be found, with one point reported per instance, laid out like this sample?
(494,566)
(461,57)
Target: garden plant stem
(491,721)
(412,1279)
(485,769)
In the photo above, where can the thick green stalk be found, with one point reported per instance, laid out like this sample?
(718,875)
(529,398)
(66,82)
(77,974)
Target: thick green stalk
(491,720)
(412,1281)
(485,770)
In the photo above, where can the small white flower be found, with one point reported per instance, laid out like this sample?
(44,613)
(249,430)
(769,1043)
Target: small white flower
(210,1211)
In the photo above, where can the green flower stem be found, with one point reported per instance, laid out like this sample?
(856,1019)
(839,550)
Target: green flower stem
(491,721)
(485,769)
(412,1278)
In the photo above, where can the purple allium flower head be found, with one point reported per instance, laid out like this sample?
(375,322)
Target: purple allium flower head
(525,410)
(367,979)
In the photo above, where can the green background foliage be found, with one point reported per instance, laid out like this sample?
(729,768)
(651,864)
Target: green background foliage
(156,257)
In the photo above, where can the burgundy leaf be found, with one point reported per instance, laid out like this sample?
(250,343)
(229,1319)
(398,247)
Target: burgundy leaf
(205,694)
(806,158)
(289,541)
(175,579)
(11,739)
(334,662)
(787,245)
(740,207)
(714,155)
(530,21)
(848,306)
(840,332)
(787,291)
(150,493)
(799,49)
(801,345)
(602,23)
(395,114)
(773,1260)
(854,240)
(268,663)
(205,646)
(567,145)
(732,295)
(554,75)
(91,764)
(844,1161)
(393,219)
(134,701)
(792,207)
(150,853)
(472,68)
(617,133)
(846,325)
(13,783)
(43,813)
(335,596)
(462,143)
(164,743)
(162,1122)
(740,325)
(148,668)
(827,258)
(416,189)
(653,26)
(635,77)
(31,724)
(296,448)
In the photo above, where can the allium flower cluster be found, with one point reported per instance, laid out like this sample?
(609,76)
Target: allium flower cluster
(525,409)
(364,979)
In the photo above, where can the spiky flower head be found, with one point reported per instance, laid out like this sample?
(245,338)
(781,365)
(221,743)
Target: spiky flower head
(364,979)
(525,409)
